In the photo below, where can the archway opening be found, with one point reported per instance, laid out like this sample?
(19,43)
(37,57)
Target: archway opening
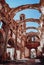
(33,53)
(1,25)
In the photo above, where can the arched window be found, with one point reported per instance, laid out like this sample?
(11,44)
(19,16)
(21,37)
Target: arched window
(1,24)
(33,38)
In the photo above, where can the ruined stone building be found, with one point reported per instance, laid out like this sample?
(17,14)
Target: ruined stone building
(13,35)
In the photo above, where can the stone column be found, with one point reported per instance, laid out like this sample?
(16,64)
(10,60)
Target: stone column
(6,29)
(23,30)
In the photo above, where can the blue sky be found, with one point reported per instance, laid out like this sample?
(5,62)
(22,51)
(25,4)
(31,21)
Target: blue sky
(29,13)
(16,3)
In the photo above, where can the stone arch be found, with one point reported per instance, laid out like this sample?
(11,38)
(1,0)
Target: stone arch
(23,7)
(32,28)
(33,37)
(30,20)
